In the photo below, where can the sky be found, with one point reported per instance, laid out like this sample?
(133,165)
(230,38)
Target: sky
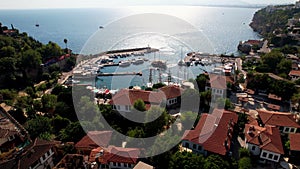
(38,4)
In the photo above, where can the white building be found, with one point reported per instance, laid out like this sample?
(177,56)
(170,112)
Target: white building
(264,142)
(285,122)
(218,86)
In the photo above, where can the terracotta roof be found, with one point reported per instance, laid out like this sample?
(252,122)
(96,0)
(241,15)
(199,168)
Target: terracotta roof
(278,118)
(217,81)
(274,107)
(71,161)
(30,154)
(39,147)
(94,139)
(212,131)
(9,31)
(142,165)
(249,91)
(274,97)
(129,96)
(171,91)
(295,141)
(244,99)
(120,155)
(5,133)
(253,42)
(294,73)
(267,138)
(94,153)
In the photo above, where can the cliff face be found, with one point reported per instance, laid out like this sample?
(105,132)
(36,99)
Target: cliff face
(272,18)
(258,23)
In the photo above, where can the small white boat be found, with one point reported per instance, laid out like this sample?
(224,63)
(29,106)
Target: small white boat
(138,62)
(124,63)
(75,81)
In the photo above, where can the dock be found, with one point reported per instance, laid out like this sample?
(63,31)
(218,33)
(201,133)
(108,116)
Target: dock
(121,74)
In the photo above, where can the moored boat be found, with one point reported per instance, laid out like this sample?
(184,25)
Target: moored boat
(124,63)
(159,64)
(138,61)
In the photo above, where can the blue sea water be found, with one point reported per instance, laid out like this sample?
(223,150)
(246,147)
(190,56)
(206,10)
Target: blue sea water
(181,29)
(223,26)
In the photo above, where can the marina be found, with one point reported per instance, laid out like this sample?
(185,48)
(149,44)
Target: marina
(112,68)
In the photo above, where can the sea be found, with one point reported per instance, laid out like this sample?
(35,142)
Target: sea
(174,30)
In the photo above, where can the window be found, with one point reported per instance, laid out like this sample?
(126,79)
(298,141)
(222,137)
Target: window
(292,130)
(118,107)
(44,157)
(286,129)
(281,128)
(125,165)
(194,146)
(187,145)
(11,138)
(126,107)
(264,154)
(129,165)
(199,148)
(276,157)
(114,164)
(35,164)
(253,148)
(270,156)
(119,164)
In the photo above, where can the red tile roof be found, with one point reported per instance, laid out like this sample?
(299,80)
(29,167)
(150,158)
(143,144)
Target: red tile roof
(294,73)
(94,153)
(217,81)
(34,151)
(71,161)
(129,96)
(5,133)
(295,141)
(278,118)
(120,155)
(212,131)
(273,107)
(171,91)
(94,139)
(274,97)
(267,138)
(254,42)
(249,91)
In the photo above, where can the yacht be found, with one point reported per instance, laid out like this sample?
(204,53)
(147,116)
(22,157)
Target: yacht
(159,64)
(138,61)
(124,63)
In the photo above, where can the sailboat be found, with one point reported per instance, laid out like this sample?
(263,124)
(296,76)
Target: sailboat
(181,61)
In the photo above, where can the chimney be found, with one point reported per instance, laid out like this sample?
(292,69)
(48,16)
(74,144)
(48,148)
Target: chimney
(259,121)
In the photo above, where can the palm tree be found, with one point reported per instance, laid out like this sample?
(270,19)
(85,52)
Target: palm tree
(66,42)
